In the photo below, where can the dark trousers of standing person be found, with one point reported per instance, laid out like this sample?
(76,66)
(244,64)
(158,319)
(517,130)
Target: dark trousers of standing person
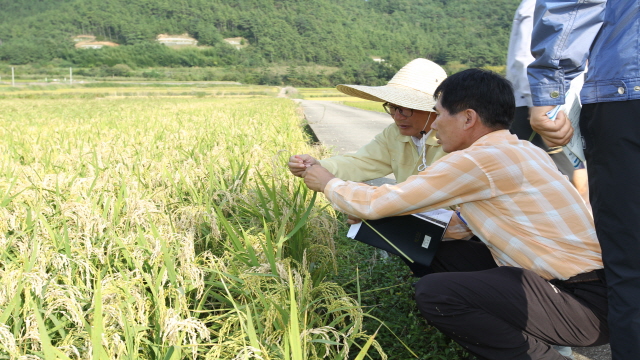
(611,132)
(510,313)
(522,129)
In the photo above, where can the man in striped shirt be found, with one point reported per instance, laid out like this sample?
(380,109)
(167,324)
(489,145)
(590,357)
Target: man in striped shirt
(533,279)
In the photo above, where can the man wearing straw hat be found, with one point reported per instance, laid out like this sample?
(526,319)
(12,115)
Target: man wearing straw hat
(405,147)
(546,285)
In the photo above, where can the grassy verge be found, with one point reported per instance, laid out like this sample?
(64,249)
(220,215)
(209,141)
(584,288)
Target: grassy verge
(365,105)
(331,94)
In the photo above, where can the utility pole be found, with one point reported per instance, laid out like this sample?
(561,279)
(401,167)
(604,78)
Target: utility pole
(70,76)
(13,79)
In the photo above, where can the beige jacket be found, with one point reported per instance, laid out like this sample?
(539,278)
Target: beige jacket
(389,152)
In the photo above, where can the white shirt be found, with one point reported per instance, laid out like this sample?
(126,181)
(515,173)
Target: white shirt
(519,54)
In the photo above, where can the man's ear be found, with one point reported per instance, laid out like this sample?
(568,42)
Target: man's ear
(471,119)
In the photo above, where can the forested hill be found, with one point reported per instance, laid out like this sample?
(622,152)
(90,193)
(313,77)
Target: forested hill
(325,32)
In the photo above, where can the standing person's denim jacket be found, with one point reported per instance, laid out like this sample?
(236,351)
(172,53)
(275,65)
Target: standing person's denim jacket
(563,43)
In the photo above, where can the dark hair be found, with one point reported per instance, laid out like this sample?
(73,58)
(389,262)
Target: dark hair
(486,92)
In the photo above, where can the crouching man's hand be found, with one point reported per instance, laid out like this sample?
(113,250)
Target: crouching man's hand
(316,177)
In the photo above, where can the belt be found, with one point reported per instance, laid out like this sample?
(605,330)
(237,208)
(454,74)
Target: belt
(591,276)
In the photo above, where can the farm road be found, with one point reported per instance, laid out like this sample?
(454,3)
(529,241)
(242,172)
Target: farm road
(346,129)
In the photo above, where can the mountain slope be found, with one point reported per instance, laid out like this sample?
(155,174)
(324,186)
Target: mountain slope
(327,32)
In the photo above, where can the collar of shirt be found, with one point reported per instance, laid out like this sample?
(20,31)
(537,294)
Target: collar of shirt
(431,138)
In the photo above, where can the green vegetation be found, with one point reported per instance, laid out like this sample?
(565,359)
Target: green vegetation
(167,227)
(344,35)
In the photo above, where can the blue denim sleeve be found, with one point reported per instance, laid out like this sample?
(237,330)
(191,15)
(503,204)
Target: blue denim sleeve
(563,32)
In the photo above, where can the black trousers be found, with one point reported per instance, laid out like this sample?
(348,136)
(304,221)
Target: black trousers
(505,312)
(522,128)
(612,134)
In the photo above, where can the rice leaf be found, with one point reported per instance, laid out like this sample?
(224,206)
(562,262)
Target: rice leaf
(365,349)
(297,350)
(50,352)
(97,328)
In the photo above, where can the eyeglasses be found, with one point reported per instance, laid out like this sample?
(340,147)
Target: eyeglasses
(392,109)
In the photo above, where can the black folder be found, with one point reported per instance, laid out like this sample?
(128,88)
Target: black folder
(417,236)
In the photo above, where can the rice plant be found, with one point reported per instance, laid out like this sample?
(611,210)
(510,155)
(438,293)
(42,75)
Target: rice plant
(165,228)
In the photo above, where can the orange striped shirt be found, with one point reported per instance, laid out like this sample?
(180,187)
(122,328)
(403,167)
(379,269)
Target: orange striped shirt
(511,195)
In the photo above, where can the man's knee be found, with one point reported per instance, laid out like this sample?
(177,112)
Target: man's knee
(436,296)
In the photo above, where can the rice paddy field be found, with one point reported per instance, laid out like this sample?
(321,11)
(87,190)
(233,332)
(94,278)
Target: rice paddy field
(133,89)
(168,227)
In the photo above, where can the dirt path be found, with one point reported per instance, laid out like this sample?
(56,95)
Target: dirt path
(286,91)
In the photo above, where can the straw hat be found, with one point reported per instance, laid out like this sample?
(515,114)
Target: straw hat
(411,87)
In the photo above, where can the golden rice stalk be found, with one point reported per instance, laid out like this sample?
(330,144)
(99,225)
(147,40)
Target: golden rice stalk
(177,330)
(8,341)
